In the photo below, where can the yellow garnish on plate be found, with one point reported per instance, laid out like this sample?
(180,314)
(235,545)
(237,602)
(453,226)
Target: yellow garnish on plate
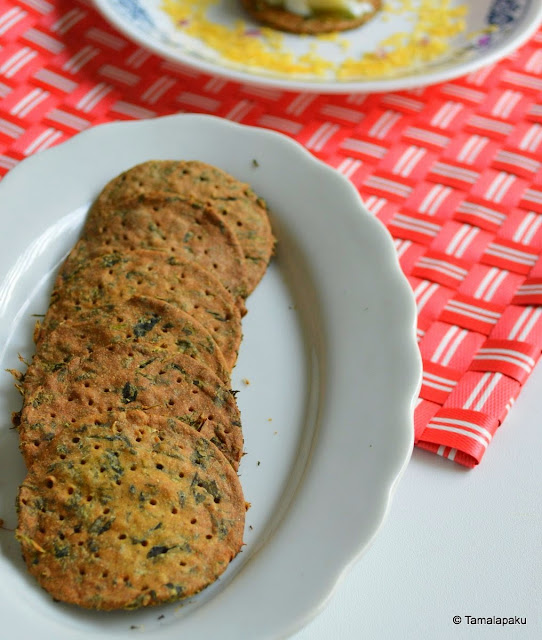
(433,25)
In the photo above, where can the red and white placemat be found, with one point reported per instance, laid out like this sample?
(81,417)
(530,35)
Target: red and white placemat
(454,171)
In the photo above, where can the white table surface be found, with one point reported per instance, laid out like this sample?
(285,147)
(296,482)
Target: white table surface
(456,542)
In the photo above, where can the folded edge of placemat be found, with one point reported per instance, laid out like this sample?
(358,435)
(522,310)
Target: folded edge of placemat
(454,171)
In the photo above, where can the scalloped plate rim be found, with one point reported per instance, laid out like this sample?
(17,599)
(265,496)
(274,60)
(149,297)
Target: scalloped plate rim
(406,376)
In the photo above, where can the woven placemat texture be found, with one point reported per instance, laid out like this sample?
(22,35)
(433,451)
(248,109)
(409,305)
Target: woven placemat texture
(454,171)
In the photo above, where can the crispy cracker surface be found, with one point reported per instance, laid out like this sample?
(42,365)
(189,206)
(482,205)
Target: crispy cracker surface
(129,427)
(123,377)
(147,321)
(242,210)
(190,231)
(137,512)
(115,278)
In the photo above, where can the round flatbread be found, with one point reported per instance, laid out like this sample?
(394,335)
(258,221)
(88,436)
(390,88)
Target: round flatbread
(243,211)
(122,377)
(186,229)
(321,22)
(137,512)
(114,278)
(142,320)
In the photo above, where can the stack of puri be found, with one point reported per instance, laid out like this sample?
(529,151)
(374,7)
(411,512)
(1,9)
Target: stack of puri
(129,428)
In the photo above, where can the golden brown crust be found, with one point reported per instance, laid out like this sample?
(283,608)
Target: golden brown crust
(279,18)
(123,377)
(146,321)
(137,512)
(129,428)
(183,228)
(243,211)
(114,278)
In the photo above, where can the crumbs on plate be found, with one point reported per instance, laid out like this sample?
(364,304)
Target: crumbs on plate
(433,25)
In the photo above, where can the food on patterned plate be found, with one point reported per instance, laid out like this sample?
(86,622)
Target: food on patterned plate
(312,16)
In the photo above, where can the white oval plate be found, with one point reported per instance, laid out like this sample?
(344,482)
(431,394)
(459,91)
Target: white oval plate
(509,24)
(327,373)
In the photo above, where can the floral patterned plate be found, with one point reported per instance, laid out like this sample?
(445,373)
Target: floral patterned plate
(409,43)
